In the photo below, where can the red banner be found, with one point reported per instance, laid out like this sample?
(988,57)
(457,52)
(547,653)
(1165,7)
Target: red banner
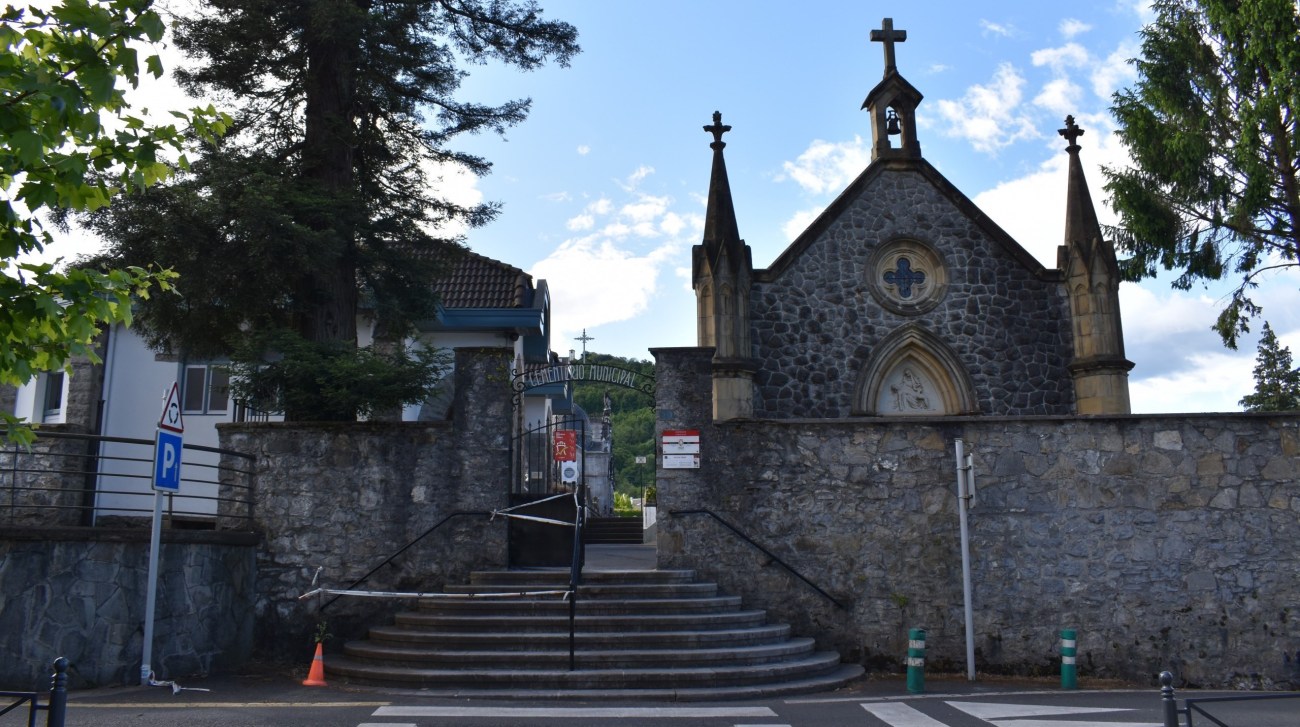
(565,446)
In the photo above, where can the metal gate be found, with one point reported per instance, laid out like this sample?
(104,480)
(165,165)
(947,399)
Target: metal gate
(541,497)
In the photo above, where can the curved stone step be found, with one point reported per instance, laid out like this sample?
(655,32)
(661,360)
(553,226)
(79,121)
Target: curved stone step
(498,640)
(389,654)
(584,622)
(561,576)
(528,606)
(596,590)
(814,665)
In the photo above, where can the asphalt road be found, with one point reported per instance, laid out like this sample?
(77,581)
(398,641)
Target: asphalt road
(280,701)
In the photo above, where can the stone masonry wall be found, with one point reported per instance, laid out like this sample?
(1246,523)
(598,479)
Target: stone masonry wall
(44,485)
(815,326)
(1168,542)
(80,593)
(345,497)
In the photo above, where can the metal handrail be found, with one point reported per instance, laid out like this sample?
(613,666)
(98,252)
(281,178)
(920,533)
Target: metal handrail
(57,706)
(403,549)
(764,551)
(94,471)
(1190,706)
(575,571)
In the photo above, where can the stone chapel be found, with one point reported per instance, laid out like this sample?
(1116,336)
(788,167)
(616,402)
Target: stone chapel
(904,299)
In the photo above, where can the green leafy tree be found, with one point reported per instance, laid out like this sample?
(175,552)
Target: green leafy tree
(1210,124)
(69,142)
(325,195)
(1277,380)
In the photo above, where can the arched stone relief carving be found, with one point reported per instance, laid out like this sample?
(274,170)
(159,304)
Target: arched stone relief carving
(913,373)
(907,276)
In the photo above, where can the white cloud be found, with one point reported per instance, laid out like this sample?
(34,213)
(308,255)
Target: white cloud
(991,28)
(1115,72)
(581,223)
(1210,382)
(672,224)
(1031,208)
(827,167)
(799,222)
(635,178)
(583,150)
(645,208)
(1060,96)
(1070,55)
(987,115)
(1071,27)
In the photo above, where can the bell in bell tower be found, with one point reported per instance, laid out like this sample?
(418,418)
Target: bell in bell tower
(892,103)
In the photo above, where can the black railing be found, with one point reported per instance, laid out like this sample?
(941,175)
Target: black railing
(404,548)
(56,708)
(1197,706)
(66,479)
(575,575)
(774,558)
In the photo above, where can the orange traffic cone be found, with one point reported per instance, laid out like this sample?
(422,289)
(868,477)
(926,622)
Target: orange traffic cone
(316,677)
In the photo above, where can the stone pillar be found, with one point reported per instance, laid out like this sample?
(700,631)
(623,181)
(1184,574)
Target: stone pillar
(683,400)
(482,412)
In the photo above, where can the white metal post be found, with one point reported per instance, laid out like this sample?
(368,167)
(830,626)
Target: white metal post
(146,670)
(963,471)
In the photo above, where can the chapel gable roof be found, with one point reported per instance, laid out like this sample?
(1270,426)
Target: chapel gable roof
(872,176)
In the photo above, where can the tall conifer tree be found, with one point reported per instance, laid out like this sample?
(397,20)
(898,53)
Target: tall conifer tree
(326,189)
(1212,128)
(1277,381)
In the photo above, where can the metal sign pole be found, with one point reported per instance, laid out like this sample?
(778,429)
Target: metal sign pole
(963,496)
(168,451)
(146,670)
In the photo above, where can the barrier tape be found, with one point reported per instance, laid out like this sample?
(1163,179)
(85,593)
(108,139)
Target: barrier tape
(507,512)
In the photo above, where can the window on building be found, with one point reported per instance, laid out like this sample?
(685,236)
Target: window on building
(53,394)
(207,389)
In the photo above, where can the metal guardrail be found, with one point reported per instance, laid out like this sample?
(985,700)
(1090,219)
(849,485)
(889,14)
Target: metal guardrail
(56,708)
(764,551)
(1197,705)
(67,479)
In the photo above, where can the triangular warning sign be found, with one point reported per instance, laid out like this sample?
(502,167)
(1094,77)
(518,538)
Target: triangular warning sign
(171,413)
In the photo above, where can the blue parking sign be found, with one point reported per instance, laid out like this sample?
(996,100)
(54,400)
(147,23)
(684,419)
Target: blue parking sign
(167,462)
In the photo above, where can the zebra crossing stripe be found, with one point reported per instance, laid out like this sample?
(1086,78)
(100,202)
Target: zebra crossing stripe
(897,714)
(575,712)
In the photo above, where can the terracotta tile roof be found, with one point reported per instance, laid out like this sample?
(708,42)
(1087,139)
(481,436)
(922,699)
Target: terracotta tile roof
(481,282)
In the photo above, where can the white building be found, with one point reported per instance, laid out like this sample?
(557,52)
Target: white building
(483,303)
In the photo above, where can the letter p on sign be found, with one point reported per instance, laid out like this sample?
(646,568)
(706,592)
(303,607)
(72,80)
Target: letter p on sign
(167,462)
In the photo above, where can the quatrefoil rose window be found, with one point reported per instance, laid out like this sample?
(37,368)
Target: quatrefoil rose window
(907,276)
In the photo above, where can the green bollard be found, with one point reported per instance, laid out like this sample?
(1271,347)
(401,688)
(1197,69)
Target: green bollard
(1069,670)
(916,661)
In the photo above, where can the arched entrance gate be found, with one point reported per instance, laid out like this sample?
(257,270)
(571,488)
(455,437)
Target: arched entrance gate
(548,460)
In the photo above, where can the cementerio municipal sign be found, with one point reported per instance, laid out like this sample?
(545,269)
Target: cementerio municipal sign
(533,378)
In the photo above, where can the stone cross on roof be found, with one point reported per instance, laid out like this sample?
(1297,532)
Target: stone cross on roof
(717,129)
(889,36)
(1071,132)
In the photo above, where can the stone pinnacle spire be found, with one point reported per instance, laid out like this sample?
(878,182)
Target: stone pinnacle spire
(721,233)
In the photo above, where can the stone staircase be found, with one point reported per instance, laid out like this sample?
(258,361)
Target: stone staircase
(616,530)
(639,634)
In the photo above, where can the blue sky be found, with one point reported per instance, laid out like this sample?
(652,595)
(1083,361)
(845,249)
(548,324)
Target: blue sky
(603,186)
